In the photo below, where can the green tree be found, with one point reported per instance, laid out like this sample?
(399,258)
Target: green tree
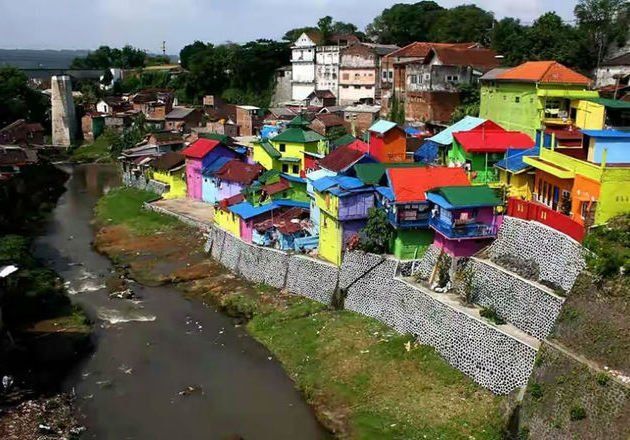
(404,23)
(462,24)
(105,57)
(18,100)
(600,24)
(549,38)
(509,38)
(336,132)
(293,34)
(378,232)
(469,102)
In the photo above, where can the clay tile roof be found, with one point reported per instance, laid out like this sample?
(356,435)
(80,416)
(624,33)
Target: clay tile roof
(410,184)
(239,172)
(323,94)
(341,159)
(493,141)
(480,58)
(199,148)
(330,119)
(420,49)
(544,72)
(168,161)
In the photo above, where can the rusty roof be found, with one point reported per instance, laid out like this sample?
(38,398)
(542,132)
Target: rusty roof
(239,172)
(341,159)
(477,57)
(168,161)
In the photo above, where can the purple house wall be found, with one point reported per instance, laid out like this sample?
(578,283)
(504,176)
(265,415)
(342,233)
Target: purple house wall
(355,207)
(199,155)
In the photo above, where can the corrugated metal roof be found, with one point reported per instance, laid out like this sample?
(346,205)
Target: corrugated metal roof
(341,159)
(200,148)
(467,196)
(445,137)
(216,165)
(493,141)
(179,112)
(246,210)
(514,160)
(382,126)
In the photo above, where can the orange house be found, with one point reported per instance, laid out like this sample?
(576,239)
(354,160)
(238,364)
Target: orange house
(586,191)
(388,142)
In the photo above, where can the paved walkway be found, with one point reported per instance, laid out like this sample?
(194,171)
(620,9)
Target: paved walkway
(197,211)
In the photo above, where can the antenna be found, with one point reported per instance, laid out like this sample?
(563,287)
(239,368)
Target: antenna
(163,47)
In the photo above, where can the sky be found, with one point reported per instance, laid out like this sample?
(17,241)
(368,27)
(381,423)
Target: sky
(87,24)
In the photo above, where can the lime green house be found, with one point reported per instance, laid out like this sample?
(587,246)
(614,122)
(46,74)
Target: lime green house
(289,151)
(535,95)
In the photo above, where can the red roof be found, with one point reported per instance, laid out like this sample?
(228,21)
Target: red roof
(275,188)
(420,49)
(199,148)
(289,222)
(235,199)
(493,141)
(341,159)
(358,145)
(477,57)
(550,72)
(239,172)
(410,184)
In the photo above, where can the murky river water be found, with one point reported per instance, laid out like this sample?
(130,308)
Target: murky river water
(148,351)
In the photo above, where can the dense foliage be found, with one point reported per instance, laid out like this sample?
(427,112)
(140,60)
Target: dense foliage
(377,234)
(106,57)
(610,247)
(18,100)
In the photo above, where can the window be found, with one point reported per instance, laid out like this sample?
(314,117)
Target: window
(283,148)
(345,76)
(346,87)
(452,78)
(391,74)
(357,87)
(357,76)
(285,168)
(414,79)
(517,99)
(296,169)
(384,74)
(368,87)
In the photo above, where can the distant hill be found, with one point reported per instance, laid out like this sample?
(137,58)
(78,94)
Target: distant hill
(44,59)
(33,59)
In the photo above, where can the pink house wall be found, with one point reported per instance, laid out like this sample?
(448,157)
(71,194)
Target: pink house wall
(247,230)
(460,248)
(193,178)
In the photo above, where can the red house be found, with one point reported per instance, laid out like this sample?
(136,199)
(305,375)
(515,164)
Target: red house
(388,142)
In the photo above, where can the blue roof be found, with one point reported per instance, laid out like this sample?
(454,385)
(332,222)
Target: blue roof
(246,210)
(445,137)
(439,200)
(350,183)
(340,186)
(292,203)
(240,149)
(607,133)
(292,178)
(216,165)
(514,160)
(386,192)
(319,174)
(324,183)
(382,126)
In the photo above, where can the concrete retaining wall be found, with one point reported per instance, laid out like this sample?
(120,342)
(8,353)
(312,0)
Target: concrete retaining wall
(559,258)
(144,184)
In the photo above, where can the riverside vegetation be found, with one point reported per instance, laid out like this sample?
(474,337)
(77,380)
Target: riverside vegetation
(363,379)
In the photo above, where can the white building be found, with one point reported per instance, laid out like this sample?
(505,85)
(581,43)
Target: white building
(327,69)
(303,66)
(614,71)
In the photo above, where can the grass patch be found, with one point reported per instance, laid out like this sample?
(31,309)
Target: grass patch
(374,381)
(123,206)
(99,150)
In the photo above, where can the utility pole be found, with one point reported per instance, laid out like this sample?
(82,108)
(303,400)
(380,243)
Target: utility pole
(164,48)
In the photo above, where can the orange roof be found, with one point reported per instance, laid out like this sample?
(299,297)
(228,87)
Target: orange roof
(544,72)
(410,184)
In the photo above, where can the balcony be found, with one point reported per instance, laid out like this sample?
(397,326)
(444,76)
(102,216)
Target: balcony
(398,221)
(470,230)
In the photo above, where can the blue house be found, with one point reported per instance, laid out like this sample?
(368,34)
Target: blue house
(209,187)
(606,146)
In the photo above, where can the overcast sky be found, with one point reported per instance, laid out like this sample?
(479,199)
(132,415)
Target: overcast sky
(87,24)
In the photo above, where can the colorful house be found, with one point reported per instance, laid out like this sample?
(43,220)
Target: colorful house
(170,169)
(281,231)
(477,150)
(388,142)
(343,203)
(227,220)
(534,96)
(589,192)
(286,152)
(408,210)
(199,155)
(209,190)
(246,215)
(517,177)
(433,150)
(464,218)
(229,180)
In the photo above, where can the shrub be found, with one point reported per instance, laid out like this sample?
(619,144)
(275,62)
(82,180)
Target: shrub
(577,413)
(603,379)
(536,390)
(378,233)
(443,267)
(464,284)
(490,314)
(610,254)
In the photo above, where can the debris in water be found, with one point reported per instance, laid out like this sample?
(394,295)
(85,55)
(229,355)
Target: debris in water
(122,294)
(191,390)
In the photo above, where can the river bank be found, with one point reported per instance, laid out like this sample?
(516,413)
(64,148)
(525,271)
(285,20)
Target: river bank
(43,336)
(363,379)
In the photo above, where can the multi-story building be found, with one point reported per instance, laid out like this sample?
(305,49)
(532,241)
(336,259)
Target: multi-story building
(303,59)
(359,72)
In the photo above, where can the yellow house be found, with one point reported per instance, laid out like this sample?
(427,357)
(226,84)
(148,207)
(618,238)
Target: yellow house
(170,169)
(330,238)
(589,114)
(517,177)
(285,152)
(228,221)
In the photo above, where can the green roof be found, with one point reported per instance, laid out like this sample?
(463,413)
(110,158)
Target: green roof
(223,138)
(270,150)
(290,159)
(343,140)
(300,121)
(372,173)
(298,136)
(461,196)
(611,103)
(269,176)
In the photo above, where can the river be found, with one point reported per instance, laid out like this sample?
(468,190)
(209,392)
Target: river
(148,351)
